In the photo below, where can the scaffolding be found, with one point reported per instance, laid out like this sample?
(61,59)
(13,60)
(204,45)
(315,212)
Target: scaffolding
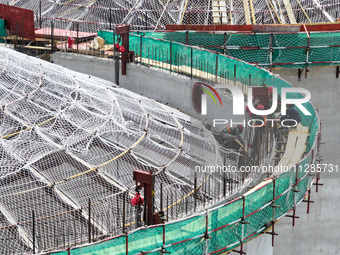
(92,15)
(230,225)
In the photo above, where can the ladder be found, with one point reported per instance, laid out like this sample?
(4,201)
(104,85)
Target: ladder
(219,12)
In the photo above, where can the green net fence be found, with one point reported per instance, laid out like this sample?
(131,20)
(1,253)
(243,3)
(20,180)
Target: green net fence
(2,28)
(223,228)
(298,50)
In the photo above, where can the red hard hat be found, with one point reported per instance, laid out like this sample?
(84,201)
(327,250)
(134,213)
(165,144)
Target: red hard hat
(137,200)
(270,89)
(121,49)
(240,127)
(260,107)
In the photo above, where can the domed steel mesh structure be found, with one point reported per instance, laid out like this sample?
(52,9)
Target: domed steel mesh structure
(70,143)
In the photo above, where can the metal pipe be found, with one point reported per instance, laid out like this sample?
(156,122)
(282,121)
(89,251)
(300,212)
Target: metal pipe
(89,222)
(33,231)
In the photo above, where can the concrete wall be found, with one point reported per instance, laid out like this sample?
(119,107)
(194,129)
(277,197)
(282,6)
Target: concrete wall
(318,232)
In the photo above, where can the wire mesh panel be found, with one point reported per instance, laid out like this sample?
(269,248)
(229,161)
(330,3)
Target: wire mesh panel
(70,143)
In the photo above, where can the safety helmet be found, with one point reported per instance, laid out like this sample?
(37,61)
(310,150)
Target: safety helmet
(260,107)
(240,127)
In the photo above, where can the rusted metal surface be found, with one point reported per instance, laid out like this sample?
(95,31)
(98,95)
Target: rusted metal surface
(19,21)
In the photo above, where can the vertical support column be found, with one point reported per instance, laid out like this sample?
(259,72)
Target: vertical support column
(167,206)
(171,56)
(116,60)
(225,44)
(191,62)
(110,18)
(295,190)
(147,181)
(224,180)
(77,38)
(195,191)
(126,244)
(271,52)
(273,218)
(216,67)
(40,21)
(124,211)
(89,222)
(161,202)
(33,231)
(308,201)
(52,37)
(163,251)
(123,31)
(141,49)
(206,234)
(235,75)
(307,51)
(231,11)
(242,222)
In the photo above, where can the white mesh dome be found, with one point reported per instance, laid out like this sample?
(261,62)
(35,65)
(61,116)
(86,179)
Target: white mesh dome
(67,138)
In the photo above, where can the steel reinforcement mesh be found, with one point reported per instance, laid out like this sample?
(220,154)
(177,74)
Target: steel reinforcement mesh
(69,145)
(228,226)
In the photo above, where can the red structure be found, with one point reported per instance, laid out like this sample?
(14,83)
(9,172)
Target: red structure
(147,182)
(19,21)
(123,32)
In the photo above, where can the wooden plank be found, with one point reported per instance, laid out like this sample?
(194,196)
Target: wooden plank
(289,10)
(252,11)
(295,147)
(246,12)
(299,149)
(61,34)
(289,151)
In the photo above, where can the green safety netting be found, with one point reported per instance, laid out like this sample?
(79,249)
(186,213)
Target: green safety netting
(2,28)
(289,50)
(223,228)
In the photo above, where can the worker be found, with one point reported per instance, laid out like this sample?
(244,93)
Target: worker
(230,137)
(270,96)
(292,114)
(259,123)
(138,201)
(259,120)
